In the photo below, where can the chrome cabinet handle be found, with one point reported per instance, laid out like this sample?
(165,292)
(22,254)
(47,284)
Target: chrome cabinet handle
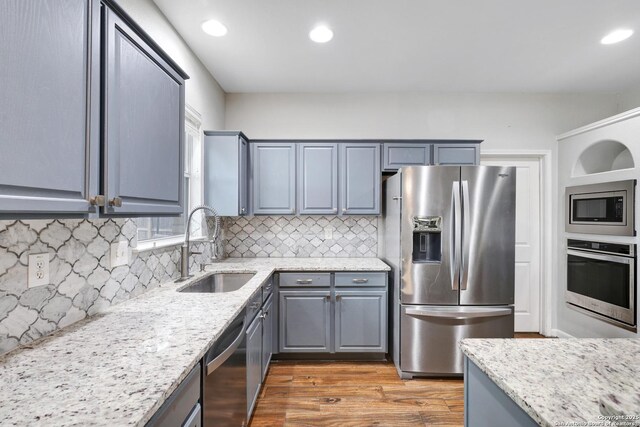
(397,198)
(304,281)
(360,280)
(116,202)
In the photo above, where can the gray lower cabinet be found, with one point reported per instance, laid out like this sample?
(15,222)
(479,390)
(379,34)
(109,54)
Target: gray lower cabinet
(361,321)
(143,125)
(317,178)
(273,178)
(305,321)
(226,172)
(49,82)
(268,326)
(456,154)
(398,154)
(254,362)
(360,177)
(184,406)
(487,405)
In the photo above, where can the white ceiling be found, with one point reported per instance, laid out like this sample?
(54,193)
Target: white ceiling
(408,45)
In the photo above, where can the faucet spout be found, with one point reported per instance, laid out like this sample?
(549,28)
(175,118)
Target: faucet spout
(184,249)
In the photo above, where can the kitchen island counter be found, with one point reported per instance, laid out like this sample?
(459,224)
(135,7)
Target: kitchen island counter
(561,381)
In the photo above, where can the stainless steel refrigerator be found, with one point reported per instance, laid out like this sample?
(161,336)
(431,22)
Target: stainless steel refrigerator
(449,236)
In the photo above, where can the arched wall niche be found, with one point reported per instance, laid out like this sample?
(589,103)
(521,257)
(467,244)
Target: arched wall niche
(603,156)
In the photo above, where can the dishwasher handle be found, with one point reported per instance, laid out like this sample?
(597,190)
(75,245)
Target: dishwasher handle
(222,357)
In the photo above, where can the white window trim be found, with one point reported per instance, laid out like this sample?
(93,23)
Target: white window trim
(193,121)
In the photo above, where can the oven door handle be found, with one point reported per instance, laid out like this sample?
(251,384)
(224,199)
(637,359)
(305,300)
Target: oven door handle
(602,257)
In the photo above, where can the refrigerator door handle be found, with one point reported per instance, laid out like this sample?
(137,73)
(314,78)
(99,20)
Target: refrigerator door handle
(459,313)
(464,239)
(456,231)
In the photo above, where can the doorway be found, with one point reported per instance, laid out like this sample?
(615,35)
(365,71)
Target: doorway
(528,268)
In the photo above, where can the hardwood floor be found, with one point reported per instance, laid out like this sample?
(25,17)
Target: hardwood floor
(303,393)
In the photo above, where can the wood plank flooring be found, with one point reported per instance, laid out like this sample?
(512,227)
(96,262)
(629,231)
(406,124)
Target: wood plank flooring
(304,393)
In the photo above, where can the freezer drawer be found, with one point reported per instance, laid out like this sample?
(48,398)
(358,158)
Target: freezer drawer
(429,335)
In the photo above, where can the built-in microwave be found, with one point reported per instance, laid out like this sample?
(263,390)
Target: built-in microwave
(606,208)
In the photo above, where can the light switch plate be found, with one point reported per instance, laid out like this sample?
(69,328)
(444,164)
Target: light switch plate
(119,253)
(38,270)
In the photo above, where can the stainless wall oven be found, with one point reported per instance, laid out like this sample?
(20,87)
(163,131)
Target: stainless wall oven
(601,278)
(606,208)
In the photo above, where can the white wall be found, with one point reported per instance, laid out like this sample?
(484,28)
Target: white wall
(203,92)
(519,121)
(629,100)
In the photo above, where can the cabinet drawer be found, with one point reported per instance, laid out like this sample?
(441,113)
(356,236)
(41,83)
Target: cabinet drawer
(305,279)
(182,403)
(361,279)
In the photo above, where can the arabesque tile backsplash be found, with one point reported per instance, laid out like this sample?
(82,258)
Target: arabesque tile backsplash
(83,283)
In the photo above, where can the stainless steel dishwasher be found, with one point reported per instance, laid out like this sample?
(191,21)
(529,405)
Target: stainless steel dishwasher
(225,378)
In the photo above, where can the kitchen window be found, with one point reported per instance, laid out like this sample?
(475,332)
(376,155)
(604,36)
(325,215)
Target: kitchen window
(166,231)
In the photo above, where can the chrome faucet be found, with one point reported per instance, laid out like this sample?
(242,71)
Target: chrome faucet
(184,249)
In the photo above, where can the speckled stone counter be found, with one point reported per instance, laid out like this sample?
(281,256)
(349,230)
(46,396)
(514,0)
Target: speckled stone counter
(556,381)
(119,367)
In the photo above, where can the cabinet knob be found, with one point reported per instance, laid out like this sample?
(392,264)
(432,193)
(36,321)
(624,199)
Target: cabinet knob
(328,297)
(97,200)
(344,210)
(338,298)
(243,210)
(116,202)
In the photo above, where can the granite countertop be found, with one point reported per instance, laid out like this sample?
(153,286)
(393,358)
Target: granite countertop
(558,381)
(117,368)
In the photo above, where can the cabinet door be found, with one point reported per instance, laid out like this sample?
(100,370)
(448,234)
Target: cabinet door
(273,168)
(225,172)
(254,362)
(144,126)
(305,321)
(399,154)
(267,335)
(49,111)
(456,154)
(243,175)
(361,321)
(318,178)
(360,178)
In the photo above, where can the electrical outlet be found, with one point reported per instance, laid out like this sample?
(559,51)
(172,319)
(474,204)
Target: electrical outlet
(119,253)
(328,233)
(38,270)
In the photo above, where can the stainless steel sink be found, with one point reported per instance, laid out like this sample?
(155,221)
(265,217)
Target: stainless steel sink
(220,282)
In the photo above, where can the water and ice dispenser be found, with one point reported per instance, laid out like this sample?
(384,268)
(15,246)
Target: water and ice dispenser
(427,239)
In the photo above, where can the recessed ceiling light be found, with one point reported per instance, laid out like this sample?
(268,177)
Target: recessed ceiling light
(214,28)
(321,34)
(616,36)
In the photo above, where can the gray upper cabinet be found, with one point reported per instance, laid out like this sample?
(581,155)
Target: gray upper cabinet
(398,154)
(59,54)
(305,322)
(226,163)
(360,177)
(456,154)
(361,321)
(49,92)
(273,178)
(317,178)
(143,125)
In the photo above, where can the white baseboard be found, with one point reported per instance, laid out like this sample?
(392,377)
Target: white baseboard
(560,334)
